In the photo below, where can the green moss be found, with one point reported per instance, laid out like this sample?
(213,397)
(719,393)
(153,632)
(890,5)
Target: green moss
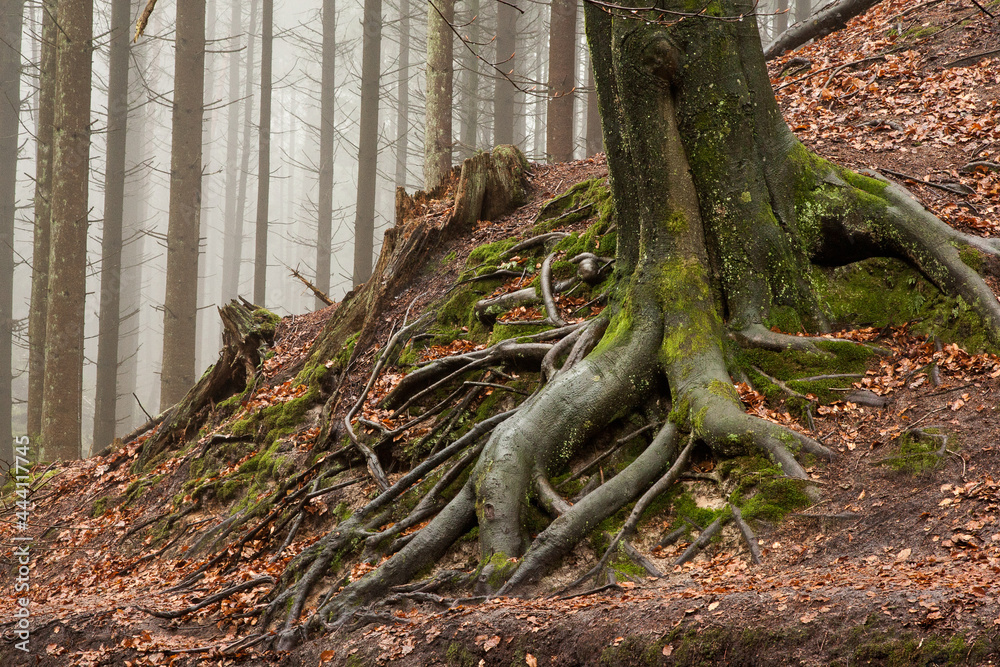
(972,258)
(503,331)
(100,506)
(488,256)
(343,357)
(634,650)
(266,321)
(912,651)
(785,319)
(904,296)
(916,453)
(761,490)
(458,656)
(591,197)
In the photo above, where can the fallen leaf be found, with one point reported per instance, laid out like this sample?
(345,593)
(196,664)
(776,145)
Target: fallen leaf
(491,643)
(530,660)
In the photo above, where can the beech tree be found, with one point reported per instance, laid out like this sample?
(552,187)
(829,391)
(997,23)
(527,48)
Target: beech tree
(722,215)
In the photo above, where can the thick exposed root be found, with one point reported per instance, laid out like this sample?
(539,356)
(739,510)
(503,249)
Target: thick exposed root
(551,424)
(565,532)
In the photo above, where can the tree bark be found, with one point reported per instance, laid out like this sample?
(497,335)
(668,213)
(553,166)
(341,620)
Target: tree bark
(803,9)
(106,398)
(63,390)
(721,218)
(263,157)
(235,175)
(440,69)
(364,221)
(823,22)
(133,244)
(504,90)
(470,84)
(562,65)
(44,138)
(180,307)
(403,95)
(11,18)
(328,101)
(595,141)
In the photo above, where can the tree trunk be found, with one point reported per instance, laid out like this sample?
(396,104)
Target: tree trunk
(205,324)
(180,306)
(133,244)
(106,397)
(63,391)
(403,95)
(470,84)
(437,127)
(263,157)
(723,221)
(562,63)
(503,90)
(11,18)
(328,101)
(364,222)
(595,142)
(803,9)
(829,19)
(44,137)
(235,177)
(781,20)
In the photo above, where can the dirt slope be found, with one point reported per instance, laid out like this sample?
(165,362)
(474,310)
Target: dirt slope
(897,564)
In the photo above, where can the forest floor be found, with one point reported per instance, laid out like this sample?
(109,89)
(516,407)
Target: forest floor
(898,563)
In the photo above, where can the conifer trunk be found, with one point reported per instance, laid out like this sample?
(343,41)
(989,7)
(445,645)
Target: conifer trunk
(180,306)
(62,395)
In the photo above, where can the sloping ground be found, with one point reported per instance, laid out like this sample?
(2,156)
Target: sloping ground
(897,564)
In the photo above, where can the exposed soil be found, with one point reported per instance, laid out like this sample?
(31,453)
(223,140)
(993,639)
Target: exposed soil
(890,567)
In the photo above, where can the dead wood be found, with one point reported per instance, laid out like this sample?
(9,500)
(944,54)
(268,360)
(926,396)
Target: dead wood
(821,23)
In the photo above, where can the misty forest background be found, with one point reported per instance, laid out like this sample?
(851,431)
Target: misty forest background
(521,75)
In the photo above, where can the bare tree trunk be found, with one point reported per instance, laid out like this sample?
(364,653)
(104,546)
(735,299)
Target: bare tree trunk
(595,141)
(263,157)
(829,19)
(63,389)
(503,90)
(207,321)
(241,196)
(111,241)
(437,127)
(562,61)
(180,304)
(44,134)
(364,221)
(781,19)
(403,95)
(134,215)
(470,84)
(233,237)
(803,9)
(11,18)
(328,102)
